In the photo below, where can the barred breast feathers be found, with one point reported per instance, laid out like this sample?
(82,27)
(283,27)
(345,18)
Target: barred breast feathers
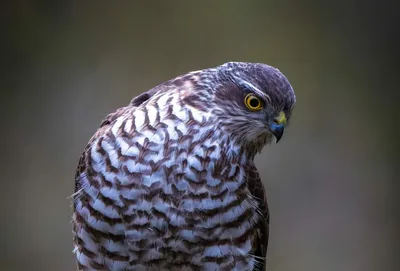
(158,186)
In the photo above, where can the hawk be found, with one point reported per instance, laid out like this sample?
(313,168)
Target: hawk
(168,182)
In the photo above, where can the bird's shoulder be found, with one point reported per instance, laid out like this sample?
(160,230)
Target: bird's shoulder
(103,133)
(109,121)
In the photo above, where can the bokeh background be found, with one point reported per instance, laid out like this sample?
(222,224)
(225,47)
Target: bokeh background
(332,182)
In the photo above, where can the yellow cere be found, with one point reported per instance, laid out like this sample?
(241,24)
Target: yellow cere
(281,119)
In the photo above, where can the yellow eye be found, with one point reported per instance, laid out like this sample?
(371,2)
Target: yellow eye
(252,102)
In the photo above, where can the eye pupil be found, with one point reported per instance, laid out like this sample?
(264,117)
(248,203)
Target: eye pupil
(254,102)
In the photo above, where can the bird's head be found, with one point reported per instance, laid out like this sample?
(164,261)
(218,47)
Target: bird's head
(253,102)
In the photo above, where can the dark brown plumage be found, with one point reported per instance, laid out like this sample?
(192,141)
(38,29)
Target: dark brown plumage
(169,182)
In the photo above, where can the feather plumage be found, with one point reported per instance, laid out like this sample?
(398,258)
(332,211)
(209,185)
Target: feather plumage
(169,183)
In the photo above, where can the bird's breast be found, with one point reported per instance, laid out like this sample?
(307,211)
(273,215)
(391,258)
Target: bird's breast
(163,189)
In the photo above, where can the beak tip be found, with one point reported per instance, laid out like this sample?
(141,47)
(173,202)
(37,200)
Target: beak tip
(278,132)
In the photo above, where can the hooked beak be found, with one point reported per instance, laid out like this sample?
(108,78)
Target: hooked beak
(277,130)
(278,127)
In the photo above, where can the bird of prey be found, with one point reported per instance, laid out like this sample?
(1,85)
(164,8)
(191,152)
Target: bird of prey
(168,182)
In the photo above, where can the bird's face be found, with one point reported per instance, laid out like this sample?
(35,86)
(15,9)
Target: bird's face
(253,102)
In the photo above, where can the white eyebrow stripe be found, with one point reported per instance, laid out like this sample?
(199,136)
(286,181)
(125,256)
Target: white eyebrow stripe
(256,90)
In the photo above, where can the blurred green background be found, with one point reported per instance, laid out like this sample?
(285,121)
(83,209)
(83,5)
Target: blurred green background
(331,182)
